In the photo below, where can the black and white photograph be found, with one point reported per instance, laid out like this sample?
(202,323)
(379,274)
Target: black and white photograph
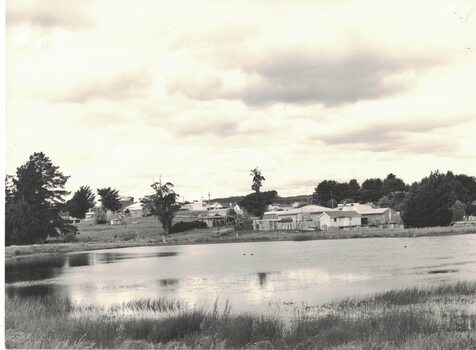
(204,174)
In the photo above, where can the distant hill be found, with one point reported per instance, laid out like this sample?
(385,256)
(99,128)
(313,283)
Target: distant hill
(226,201)
(306,198)
(303,198)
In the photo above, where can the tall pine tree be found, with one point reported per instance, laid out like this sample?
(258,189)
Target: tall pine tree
(34,199)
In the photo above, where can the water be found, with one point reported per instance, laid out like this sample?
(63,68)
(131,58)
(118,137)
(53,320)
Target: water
(254,277)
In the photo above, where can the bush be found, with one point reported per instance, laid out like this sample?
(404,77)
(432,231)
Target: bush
(100,217)
(244,224)
(70,237)
(182,226)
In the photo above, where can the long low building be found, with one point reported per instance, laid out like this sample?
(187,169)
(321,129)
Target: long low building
(303,218)
(315,217)
(373,216)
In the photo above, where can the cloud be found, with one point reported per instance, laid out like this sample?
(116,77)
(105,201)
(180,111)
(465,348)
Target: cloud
(406,136)
(48,15)
(219,126)
(126,86)
(200,128)
(300,76)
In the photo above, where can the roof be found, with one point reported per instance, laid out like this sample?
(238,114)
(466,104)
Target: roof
(308,209)
(135,206)
(363,209)
(342,214)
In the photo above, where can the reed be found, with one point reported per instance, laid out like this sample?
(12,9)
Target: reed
(396,319)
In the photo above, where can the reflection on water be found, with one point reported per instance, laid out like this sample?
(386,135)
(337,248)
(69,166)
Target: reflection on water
(33,269)
(434,272)
(81,259)
(168,282)
(48,267)
(276,273)
(40,290)
(112,257)
(262,278)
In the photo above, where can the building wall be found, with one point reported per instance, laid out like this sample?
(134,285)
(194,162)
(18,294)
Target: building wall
(326,222)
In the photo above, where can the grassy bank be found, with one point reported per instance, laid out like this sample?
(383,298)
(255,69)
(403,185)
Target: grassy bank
(441,317)
(147,231)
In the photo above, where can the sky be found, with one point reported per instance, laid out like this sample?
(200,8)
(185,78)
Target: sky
(119,93)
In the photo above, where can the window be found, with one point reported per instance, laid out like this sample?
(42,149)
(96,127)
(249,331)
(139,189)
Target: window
(335,219)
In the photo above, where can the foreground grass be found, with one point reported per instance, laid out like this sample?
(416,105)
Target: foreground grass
(441,317)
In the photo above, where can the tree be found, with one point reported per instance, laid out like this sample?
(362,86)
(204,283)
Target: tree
(354,190)
(33,202)
(394,200)
(371,190)
(429,201)
(330,192)
(110,199)
(459,210)
(162,204)
(392,184)
(469,182)
(257,179)
(324,192)
(257,202)
(83,200)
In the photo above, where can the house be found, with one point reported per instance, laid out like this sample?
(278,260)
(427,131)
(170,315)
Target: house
(303,218)
(238,210)
(195,205)
(340,219)
(126,201)
(135,210)
(375,216)
(214,205)
(467,222)
(217,217)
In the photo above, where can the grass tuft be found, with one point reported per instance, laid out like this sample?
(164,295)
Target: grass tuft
(406,319)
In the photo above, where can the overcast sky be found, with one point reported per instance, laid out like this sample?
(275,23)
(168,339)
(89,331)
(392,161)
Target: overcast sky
(118,92)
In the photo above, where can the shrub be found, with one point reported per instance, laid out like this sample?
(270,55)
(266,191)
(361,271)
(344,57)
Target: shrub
(100,217)
(70,237)
(182,226)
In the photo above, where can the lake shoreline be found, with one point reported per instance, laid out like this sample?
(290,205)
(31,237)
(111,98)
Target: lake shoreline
(15,252)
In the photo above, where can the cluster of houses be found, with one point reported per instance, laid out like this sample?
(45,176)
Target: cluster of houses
(278,217)
(299,216)
(212,213)
(314,217)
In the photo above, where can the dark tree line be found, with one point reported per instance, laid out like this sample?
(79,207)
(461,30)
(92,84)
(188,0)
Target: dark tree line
(330,192)
(439,199)
(436,200)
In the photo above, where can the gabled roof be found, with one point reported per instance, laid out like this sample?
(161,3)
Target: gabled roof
(308,209)
(342,214)
(135,206)
(363,209)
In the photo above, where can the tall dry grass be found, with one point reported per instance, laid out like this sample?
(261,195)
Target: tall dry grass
(397,319)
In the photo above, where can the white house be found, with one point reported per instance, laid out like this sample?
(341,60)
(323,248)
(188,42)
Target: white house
(375,216)
(195,205)
(238,210)
(339,219)
(135,210)
(214,205)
